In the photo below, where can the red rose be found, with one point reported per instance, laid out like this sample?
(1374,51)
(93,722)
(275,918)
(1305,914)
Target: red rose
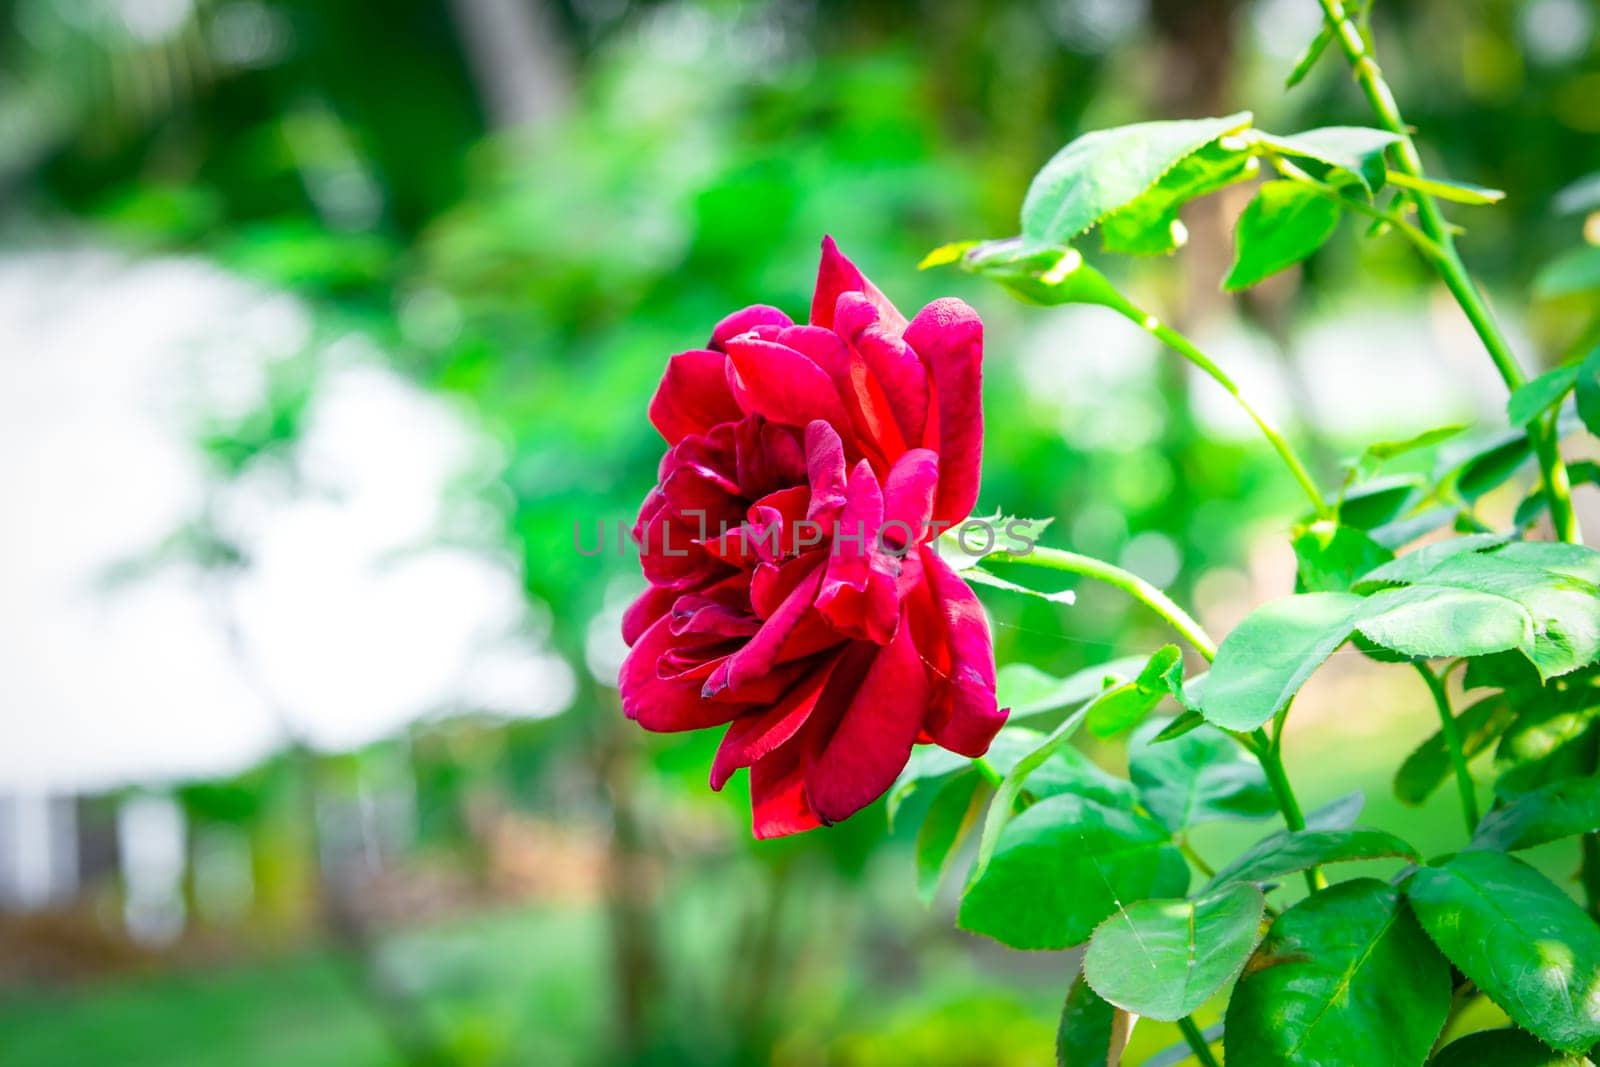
(794,595)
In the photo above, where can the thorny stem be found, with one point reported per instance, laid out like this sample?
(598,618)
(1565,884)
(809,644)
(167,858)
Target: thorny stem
(1450,730)
(1442,254)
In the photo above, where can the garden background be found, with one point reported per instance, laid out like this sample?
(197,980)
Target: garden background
(326,335)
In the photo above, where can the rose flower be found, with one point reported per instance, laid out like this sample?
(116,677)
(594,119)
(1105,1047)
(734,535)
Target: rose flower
(795,594)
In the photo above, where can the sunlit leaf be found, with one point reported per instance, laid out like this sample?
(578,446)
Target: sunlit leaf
(1519,938)
(1200,777)
(1331,557)
(1308,56)
(1560,809)
(1285,223)
(1027,690)
(1164,958)
(1063,867)
(1105,170)
(1345,976)
(1534,398)
(1265,660)
(1337,155)
(1291,851)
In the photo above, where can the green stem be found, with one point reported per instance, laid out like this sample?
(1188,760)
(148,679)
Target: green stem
(1267,751)
(1190,351)
(1450,730)
(1197,1041)
(1447,261)
(1195,858)
(1056,559)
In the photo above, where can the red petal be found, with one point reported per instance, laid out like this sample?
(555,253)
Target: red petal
(948,336)
(693,396)
(779,383)
(836,275)
(665,705)
(778,805)
(964,717)
(745,320)
(755,735)
(873,740)
(651,604)
(895,367)
(908,495)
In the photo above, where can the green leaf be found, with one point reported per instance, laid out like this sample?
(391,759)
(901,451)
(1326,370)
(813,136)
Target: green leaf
(1337,155)
(1552,737)
(1292,851)
(946,254)
(1128,704)
(1429,763)
(1067,770)
(1444,189)
(1028,691)
(1560,809)
(1091,1033)
(1379,501)
(1504,670)
(1104,170)
(1164,958)
(1339,813)
(928,766)
(1574,561)
(950,817)
(1496,462)
(1587,391)
(1285,223)
(1343,977)
(970,541)
(1200,777)
(1428,620)
(1504,1048)
(1309,56)
(1416,565)
(1574,271)
(1532,399)
(1062,867)
(1047,276)
(1383,451)
(1265,660)
(1331,557)
(1005,796)
(1149,224)
(1179,725)
(1519,938)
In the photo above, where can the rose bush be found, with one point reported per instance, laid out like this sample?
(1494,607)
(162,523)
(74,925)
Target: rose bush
(795,592)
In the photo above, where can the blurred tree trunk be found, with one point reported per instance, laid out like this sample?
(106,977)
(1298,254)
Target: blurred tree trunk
(521,66)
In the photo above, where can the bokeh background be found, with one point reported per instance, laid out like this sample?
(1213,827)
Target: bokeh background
(324,324)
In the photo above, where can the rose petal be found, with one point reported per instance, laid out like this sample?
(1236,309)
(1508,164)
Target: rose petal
(873,740)
(693,396)
(780,384)
(760,653)
(755,735)
(908,495)
(746,319)
(778,805)
(948,336)
(649,606)
(836,275)
(964,717)
(664,705)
